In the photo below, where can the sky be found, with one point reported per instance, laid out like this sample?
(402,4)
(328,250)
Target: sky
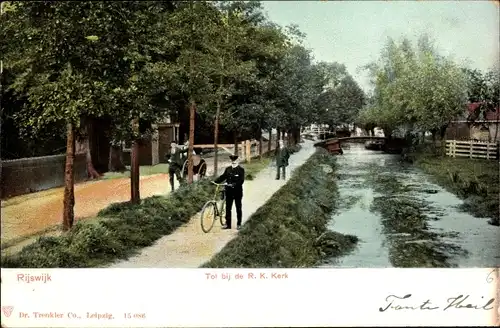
(354,32)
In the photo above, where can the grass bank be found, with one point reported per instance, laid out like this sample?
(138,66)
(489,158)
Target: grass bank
(476,181)
(289,231)
(118,231)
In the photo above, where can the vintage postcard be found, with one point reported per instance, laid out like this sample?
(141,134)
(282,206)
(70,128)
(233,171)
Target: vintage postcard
(250,163)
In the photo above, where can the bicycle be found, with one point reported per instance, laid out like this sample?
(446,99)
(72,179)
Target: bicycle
(211,210)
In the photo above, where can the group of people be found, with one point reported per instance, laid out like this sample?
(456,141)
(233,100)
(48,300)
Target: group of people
(233,176)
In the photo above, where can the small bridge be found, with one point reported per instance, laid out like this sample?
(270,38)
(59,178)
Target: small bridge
(323,143)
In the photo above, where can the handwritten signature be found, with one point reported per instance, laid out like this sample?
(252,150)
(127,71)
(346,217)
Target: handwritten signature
(405,302)
(395,302)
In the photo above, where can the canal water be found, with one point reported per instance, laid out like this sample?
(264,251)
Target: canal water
(402,219)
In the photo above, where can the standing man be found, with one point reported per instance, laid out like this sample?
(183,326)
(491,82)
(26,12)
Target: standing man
(175,162)
(282,156)
(234,176)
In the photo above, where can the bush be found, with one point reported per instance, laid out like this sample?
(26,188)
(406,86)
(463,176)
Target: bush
(117,232)
(284,232)
(475,181)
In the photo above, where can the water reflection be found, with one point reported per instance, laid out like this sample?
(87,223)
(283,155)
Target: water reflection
(403,220)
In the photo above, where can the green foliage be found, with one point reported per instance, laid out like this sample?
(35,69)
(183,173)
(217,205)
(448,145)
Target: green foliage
(122,61)
(415,89)
(342,97)
(84,59)
(290,229)
(483,88)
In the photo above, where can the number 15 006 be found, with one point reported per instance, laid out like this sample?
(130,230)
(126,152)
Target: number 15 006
(129,315)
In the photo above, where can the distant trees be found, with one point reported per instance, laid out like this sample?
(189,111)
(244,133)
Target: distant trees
(342,98)
(416,89)
(483,88)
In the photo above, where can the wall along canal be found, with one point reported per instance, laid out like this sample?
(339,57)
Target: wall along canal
(403,219)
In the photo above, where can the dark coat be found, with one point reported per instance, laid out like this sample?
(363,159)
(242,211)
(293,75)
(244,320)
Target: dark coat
(234,177)
(177,159)
(282,156)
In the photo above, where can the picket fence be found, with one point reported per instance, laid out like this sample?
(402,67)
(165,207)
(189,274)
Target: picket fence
(247,149)
(472,149)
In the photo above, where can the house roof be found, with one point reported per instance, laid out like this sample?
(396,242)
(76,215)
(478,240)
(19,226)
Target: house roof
(489,115)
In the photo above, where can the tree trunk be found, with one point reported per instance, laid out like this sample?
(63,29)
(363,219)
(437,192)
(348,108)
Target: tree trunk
(91,171)
(278,134)
(69,180)
(270,141)
(115,163)
(296,135)
(235,140)
(260,143)
(135,196)
(192,114)
(216,139)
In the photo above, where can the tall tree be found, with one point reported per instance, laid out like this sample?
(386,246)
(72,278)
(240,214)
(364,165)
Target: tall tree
(415,91)
(232,67)
(82,60)
(192,29)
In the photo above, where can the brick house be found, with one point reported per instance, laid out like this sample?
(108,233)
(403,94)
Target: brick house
(485,127)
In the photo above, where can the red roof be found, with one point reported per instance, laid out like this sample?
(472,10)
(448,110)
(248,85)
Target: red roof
(490,115)
(473,106)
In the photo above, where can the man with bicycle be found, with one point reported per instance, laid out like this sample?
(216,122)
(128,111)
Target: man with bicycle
(234,176)
(175,162)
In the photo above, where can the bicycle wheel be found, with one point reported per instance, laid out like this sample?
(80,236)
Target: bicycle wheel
(222,212)
(184,171)
(208,216)
(202,169)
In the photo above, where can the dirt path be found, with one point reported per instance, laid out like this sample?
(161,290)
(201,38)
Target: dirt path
(189,247)
(28,214)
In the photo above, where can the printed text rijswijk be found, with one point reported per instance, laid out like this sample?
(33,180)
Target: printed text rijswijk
(29,278)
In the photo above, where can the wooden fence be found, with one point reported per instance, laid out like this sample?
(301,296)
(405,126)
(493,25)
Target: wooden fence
(26,175)
(247,149)
(472,149)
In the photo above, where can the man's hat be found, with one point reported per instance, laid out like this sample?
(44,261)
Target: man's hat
(233,157)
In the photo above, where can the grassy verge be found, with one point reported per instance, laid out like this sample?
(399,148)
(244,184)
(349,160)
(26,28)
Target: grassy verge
(290,229)
(118,231)
(254,167)
(476,181)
